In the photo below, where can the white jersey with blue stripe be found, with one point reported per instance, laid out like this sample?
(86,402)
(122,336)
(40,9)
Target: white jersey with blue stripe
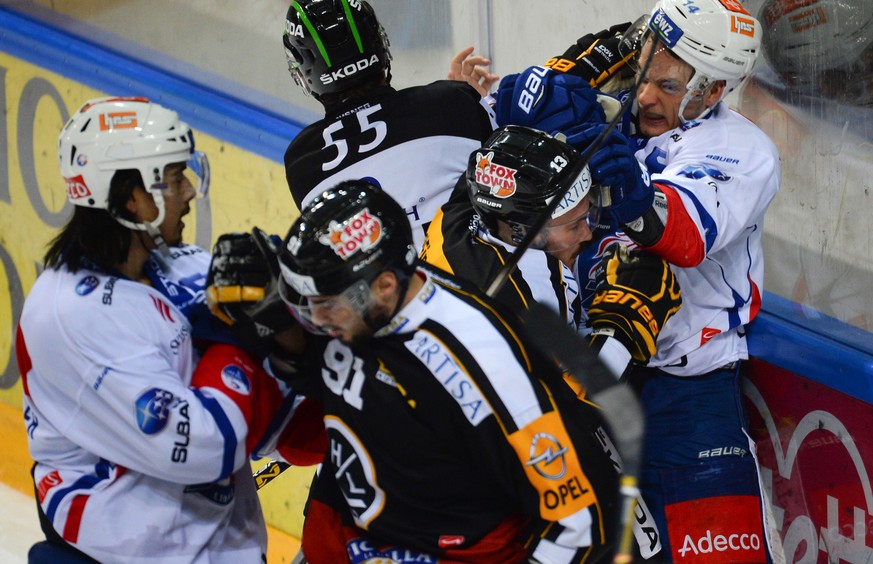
(133,464)
(724,171)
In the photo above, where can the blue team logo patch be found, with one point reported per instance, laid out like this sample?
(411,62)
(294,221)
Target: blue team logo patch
(236,379)
(668,32)
(153,410)
(698,172)
(86,285)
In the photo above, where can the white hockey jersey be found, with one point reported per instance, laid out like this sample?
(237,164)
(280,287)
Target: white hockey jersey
(133,464)
(719,175)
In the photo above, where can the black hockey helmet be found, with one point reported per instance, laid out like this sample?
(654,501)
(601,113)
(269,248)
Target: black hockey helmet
(516,173)
(334,45)
(352,232)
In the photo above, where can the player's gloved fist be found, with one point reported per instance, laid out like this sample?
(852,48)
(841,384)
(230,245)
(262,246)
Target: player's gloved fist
(241,285)
(614,165)
(595,56)
(239,273)
(636,294)
(546,100)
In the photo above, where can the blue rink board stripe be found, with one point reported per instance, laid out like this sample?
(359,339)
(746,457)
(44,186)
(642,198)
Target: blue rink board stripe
(823,349)
(214,113)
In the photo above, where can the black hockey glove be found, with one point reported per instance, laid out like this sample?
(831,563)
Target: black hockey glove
(596,57)
(242,288)
(636,294)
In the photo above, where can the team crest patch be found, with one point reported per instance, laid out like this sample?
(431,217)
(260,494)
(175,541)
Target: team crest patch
(86,285)
(235,379)
(361,232)
(153,410)
(498,178)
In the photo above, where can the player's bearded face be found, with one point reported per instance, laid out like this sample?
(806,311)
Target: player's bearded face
(344,316)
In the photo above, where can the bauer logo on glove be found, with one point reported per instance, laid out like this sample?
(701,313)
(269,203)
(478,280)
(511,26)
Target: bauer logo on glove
(637,293)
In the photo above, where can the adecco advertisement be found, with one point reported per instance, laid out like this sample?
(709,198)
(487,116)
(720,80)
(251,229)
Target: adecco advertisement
(246,190)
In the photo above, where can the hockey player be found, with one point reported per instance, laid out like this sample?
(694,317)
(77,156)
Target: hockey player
(476,238)
(510,182)
(413,141)
(692,186)
(450,437)
(691,182)
(140,456)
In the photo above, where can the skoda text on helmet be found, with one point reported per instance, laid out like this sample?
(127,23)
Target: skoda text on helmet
(343,240)
(517,172)
(718,38)
(334,45)
(804,37)
(111,134)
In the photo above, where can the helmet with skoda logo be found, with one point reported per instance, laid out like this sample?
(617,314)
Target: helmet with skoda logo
(334,45)
(516,174)
(718,38)
(111,134)
(352,232)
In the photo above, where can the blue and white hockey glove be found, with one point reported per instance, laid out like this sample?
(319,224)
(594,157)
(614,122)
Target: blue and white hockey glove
(630,190)
(547,100)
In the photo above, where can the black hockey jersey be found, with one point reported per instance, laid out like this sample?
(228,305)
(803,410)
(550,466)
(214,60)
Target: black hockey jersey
(446,426)
(413,142)
(457,243)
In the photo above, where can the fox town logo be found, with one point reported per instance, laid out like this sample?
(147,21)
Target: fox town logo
(499,179)
(360,232)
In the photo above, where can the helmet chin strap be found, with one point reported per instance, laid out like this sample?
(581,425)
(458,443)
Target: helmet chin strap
(157,239)
(152,228)
(698,83)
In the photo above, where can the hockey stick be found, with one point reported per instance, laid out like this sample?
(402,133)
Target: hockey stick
(621,409)
(269,472)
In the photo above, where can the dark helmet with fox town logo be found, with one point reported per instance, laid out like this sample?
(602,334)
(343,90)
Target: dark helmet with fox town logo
(515,175)
(352,232)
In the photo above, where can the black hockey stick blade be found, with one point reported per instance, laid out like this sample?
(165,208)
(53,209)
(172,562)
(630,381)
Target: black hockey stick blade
(269,472)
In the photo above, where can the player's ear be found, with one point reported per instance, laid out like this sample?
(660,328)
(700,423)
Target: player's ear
(139,204)
(384,286)
(714,94)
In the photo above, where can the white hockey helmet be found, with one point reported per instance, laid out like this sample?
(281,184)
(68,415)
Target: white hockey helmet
(718,38)
(117,133)
(804,38)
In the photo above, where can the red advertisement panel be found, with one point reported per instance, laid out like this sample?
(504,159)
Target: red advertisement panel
(815,453)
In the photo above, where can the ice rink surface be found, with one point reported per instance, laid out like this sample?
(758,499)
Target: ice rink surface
(19,525)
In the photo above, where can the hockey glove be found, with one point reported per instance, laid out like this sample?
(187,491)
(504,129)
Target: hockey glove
(596,57)
(636,294)
(546,100)
(242,287)
(630,192)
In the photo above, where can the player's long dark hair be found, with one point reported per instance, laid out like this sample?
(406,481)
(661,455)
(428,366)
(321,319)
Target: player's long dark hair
(92,237)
